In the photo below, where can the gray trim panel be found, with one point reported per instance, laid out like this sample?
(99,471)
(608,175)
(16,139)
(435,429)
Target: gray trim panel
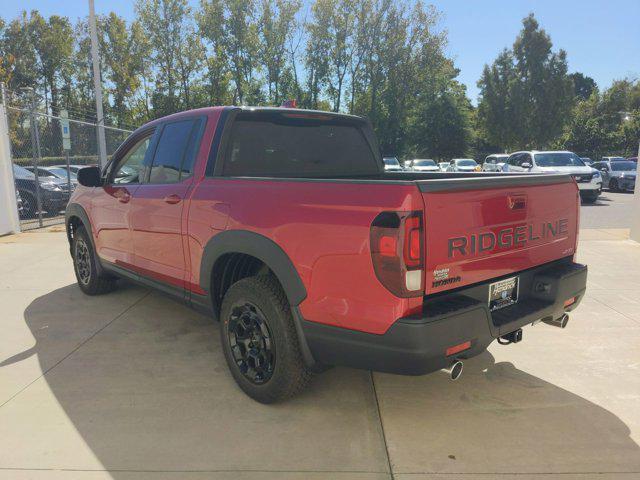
(477,181)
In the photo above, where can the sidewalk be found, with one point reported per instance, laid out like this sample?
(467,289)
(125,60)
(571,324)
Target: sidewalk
(132,385)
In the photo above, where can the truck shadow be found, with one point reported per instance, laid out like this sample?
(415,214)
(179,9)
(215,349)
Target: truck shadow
(151,392)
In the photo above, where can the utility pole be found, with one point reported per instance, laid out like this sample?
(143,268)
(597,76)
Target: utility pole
(35,148)
(97,85)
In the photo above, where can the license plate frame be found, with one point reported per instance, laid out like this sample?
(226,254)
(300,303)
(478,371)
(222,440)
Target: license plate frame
(503,293)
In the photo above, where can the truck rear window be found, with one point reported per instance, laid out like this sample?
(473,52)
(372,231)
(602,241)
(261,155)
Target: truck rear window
(292,145)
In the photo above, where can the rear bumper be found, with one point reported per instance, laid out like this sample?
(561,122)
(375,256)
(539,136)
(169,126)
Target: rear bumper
(417,344)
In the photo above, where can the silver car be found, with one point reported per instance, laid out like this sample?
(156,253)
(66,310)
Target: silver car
(463,165)
(495,162)
(617,175)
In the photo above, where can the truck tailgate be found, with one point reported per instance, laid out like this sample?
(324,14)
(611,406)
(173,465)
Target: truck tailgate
(482,228)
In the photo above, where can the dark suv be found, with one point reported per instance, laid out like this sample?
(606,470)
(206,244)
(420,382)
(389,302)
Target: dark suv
(54,192)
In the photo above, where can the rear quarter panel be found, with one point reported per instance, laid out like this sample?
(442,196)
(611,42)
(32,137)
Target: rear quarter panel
(323,226)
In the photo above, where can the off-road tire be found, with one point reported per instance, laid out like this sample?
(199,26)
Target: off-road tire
(589,197)
(85,266)
(289,375)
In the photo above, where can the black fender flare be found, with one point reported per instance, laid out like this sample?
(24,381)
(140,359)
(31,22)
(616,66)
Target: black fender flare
(75,210)
(260,247)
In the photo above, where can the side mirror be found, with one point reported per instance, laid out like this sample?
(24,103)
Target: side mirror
(526,165)
(89,177)
(603,169)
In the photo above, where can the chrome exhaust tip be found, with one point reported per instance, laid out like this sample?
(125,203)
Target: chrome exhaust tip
(558,322)
(454,370)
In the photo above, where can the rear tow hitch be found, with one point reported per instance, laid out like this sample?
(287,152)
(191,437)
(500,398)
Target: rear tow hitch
(558,322)
(513,337)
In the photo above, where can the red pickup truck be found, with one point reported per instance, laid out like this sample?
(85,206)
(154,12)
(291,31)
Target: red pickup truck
(282,224)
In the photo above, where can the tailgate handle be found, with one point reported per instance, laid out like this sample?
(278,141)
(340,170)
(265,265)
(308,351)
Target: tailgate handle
(517,202)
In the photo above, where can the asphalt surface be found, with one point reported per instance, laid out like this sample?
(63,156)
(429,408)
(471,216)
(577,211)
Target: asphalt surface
(611,210)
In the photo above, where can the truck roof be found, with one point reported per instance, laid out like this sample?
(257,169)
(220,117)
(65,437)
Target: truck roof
(206,110)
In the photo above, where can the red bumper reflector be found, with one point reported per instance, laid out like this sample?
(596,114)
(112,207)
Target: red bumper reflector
(568,303)
(458,348)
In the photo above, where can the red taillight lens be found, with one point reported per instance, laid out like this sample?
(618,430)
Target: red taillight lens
(398,269)
(413,242)
(569,302)
(388,246)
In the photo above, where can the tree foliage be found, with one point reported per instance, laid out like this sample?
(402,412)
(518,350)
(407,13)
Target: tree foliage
(382,59)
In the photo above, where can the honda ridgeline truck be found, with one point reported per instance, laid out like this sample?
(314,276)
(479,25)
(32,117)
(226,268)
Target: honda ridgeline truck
(284,226)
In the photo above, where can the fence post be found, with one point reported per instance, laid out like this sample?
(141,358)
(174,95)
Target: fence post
(35,146)
(9,218)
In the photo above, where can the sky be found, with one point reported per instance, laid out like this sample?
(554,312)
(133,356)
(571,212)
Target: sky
(601,38)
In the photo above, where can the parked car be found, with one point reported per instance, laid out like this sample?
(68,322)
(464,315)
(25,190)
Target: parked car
(588,179)
(443,166)
(617,175)
(424,165)
(587,161)
(613,159)
(57,172)
(74,168)
(391,164)
(495,162)
(54,192)
(291,233)
(463,165)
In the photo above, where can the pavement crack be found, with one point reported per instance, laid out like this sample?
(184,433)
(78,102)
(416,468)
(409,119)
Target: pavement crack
(384,436)
(76,348)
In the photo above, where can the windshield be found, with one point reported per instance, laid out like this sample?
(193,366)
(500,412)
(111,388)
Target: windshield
(23,173)
(466,163)
(62,173)
(424,163)
(391,161)
(558,159)
(623,166)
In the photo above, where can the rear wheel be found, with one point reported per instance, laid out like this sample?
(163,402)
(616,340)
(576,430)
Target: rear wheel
(84,262)
(590,197)
(613,185)
(259,340)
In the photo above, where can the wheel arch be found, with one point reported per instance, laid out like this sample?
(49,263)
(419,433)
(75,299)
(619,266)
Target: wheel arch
(254,245)
(76,216)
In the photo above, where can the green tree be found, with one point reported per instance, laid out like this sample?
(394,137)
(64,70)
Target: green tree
(583,86)
(123,49)
(537,93)
(277,24)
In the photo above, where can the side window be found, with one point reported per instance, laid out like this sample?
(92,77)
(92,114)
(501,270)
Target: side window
(527,158)
(513,159)
(129,169)
(175,153)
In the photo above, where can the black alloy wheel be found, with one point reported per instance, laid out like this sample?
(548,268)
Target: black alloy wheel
(82,261)
(251,343)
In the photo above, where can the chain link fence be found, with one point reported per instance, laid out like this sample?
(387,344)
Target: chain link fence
(45,172)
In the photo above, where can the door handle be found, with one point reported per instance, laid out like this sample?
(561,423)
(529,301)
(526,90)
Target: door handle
(172,199)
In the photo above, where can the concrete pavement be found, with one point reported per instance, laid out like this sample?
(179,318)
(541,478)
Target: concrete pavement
(132,385)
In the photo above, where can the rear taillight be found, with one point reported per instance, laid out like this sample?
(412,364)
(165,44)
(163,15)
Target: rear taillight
(397,252)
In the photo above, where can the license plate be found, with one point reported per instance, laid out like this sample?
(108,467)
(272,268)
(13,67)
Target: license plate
(503,293)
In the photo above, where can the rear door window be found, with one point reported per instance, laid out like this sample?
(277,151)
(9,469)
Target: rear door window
(298,145)
(174,153)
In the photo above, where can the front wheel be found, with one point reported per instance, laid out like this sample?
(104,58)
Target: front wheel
(613,185)
(89,279)
(260,342)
